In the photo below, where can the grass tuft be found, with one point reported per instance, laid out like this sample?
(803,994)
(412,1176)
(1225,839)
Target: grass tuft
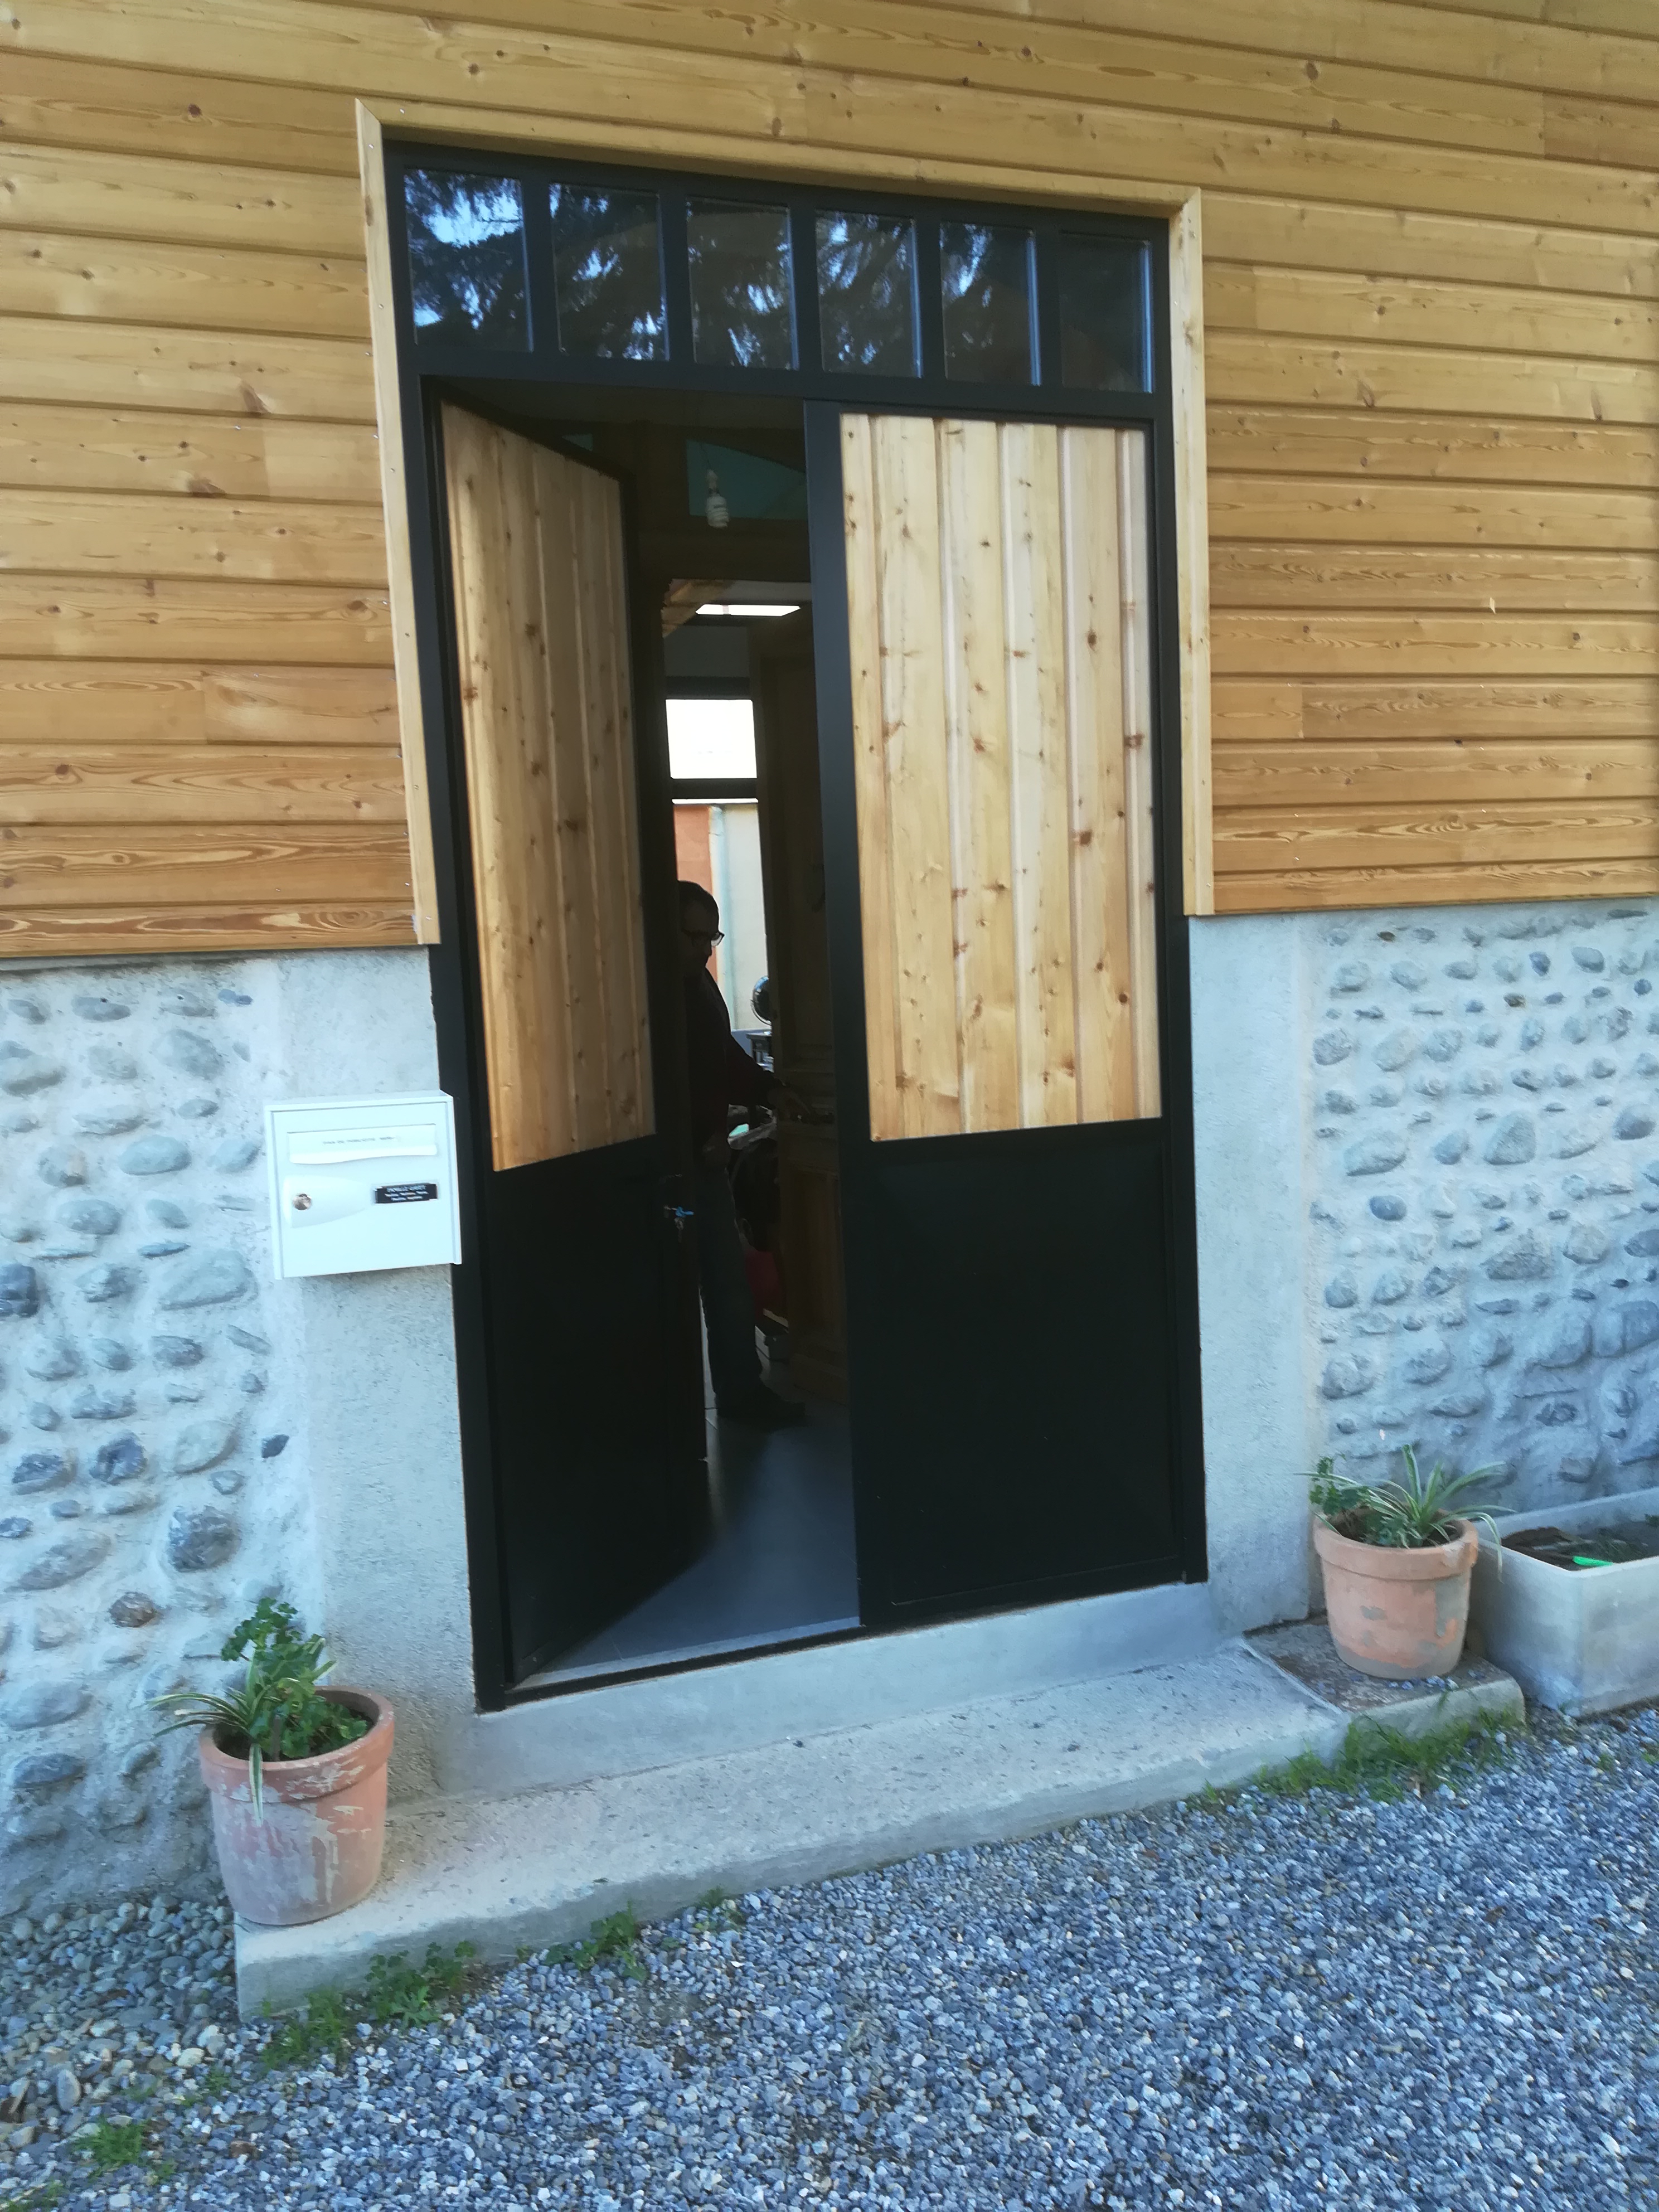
(1383,1762)
(398,1996)
(324,2025)
(402,1995)
(113,2142)
(614,1941)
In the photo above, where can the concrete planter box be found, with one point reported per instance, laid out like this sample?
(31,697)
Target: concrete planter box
(1584,1641)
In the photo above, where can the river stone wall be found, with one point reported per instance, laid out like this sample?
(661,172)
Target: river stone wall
(152,1475)
(1482,1092)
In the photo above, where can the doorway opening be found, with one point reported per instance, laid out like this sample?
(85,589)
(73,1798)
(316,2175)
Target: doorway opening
(938,805)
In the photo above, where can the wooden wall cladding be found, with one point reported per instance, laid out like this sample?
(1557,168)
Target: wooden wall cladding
(996,587)
(541,617)
(1431,239)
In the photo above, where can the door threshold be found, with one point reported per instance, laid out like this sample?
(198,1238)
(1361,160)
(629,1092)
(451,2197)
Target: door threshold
(644,1668)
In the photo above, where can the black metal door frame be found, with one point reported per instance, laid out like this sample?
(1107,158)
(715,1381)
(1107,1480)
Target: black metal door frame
(425,374)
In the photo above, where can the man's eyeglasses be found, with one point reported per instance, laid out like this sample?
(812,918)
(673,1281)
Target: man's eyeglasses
(703,936)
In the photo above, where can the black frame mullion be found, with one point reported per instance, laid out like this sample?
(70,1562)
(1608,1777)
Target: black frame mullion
(676,276)
(804,285)
(930,302)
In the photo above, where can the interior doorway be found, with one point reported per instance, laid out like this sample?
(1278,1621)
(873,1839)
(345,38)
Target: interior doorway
(934,790)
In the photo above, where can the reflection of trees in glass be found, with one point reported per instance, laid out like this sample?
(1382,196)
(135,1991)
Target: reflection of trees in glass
(740,311)
(866,293)
(1102,315)
(985,277)
(607,271)
(466,256)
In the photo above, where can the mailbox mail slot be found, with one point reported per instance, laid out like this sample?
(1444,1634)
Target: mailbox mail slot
(358,1185)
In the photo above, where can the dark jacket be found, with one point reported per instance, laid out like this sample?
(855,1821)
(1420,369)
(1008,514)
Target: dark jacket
(722,1072)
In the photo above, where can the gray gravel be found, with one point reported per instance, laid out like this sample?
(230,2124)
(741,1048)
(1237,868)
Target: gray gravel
(1445,2002)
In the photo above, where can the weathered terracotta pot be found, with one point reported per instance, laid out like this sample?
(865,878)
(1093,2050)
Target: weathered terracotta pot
(318,1847)
(1400,1615)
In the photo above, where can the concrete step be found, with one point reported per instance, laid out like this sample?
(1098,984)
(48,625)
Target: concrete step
(504,1872)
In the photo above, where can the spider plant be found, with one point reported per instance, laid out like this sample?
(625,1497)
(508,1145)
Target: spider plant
(277,1711)
(1408,1515)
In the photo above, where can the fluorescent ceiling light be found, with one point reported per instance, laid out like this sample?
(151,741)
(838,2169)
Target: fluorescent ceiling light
(745,607)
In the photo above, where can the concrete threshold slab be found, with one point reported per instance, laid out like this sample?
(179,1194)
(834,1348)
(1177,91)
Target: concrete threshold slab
(507,1873)
(1302,1650)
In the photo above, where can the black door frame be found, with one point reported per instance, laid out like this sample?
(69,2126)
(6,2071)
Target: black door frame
(426,373)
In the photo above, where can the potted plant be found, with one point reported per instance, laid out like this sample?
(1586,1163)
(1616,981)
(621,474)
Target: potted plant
(295,1774)
(1397,1561)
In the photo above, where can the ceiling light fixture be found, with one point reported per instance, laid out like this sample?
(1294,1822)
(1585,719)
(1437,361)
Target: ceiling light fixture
(745,608)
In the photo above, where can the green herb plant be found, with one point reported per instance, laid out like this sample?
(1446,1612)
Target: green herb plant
(278,1711)
(1408,1515)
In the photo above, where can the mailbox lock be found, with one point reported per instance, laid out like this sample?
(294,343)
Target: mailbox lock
(302,1200)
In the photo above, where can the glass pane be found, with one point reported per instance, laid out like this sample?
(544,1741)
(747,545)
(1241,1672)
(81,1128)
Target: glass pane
(467,258)
(986,278)
(867,294)
(1102,315)
(711,736)
(607,274)
(740,311)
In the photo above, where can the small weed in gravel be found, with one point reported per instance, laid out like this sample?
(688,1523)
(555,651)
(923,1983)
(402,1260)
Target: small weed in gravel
(112,2143)
(1383,1764)
(398,1996)
(613,1941)
(402,1995)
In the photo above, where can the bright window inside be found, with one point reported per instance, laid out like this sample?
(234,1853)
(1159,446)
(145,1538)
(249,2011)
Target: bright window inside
(711,738)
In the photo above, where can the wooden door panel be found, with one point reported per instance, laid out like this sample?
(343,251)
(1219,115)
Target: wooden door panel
(542,620)
(997,615)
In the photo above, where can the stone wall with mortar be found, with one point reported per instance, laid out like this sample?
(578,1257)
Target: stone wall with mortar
(1481,1094)
(161,1465)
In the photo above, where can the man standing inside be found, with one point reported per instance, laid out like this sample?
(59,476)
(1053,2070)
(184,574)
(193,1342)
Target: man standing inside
(721,1075)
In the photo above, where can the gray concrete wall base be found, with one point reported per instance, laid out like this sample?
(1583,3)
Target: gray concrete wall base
(1250,1031)
(628,1728)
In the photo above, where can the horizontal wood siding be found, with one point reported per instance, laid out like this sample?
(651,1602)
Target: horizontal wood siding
(1431,358)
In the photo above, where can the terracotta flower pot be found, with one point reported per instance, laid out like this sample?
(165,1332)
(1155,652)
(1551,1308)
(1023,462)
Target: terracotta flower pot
(1400,1615)
(318,1847)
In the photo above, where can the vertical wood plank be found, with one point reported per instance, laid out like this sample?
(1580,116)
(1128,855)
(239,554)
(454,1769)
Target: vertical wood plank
(533,1043)
(1135,560)
(1103,973)
(976,744)
(618,912)
(489,716)
(1191,552)
(870,774)
(564,558)
(394,502)
(1033,614)
(912,711)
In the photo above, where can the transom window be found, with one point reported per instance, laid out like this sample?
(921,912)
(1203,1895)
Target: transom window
(598,276)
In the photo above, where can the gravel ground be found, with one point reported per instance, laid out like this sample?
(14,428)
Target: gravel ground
(1445,2002)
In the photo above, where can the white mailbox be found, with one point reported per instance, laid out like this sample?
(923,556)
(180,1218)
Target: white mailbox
(360,1183)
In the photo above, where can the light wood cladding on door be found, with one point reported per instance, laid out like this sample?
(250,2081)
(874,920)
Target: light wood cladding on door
(998,596)
(541,613)
(1430,265)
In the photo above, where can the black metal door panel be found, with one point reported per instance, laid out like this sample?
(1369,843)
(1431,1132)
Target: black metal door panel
(585,1335)
(1021,1309)
(1009,1355)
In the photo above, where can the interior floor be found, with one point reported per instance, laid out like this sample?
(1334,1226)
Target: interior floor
(778,1566)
